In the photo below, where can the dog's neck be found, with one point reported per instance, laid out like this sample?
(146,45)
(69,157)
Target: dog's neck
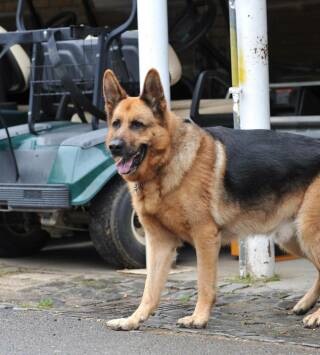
(185,144)
(137,187)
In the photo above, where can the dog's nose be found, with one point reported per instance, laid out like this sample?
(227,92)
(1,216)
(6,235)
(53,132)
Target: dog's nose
(116,146)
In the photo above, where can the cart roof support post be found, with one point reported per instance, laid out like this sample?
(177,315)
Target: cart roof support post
(253,76)
(153,41)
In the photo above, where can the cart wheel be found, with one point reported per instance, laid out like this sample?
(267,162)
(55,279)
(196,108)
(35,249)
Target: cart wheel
(20,234)
(115,229)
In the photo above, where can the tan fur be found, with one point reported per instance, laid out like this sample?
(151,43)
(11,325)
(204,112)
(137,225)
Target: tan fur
(181,197)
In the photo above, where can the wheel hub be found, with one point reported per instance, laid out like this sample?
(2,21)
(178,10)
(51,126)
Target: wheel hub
(137,229)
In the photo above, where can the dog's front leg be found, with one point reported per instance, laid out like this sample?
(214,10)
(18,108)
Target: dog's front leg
(207,243)
(161,250)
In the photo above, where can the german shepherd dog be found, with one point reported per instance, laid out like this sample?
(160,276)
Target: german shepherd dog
(205,187)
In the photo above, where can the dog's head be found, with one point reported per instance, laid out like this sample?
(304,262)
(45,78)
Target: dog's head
(139,134)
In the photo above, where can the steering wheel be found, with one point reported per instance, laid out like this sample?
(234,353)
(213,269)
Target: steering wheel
(197,18)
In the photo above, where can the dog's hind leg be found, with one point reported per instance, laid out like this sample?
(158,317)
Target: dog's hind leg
(207,244)
(308,224)
(310,298)
(161,250)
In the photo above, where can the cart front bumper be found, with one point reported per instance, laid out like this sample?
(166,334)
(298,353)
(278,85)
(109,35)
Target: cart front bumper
(33,197)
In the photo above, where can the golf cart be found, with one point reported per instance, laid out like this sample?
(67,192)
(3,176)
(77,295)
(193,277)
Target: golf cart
(57,177)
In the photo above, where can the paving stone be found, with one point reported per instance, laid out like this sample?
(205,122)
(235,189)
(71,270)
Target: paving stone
(6,306)
(233,287)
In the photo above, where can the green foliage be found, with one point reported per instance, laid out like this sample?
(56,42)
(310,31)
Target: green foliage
(45,303)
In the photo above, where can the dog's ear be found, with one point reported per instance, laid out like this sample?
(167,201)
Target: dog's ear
(112,91)
(153,94)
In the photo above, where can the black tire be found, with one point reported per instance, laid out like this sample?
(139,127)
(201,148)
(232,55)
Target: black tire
(21,234)
(111,228)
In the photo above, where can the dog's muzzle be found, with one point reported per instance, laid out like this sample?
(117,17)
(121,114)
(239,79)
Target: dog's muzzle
(117,147)
(127,161)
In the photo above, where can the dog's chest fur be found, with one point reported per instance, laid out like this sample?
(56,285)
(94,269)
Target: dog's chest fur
(179,198)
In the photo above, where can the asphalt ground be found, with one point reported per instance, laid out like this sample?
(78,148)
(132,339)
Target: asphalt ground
(39,332)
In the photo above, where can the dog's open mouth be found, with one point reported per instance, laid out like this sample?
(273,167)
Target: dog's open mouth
(128,165)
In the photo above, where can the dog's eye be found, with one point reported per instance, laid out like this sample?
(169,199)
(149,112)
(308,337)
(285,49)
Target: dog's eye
(116,124)
(136,125)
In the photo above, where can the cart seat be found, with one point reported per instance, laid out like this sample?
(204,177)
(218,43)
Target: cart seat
(15,69)
(182,108)
(207,107)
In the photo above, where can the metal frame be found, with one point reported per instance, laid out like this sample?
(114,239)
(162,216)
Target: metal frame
(104,43)
(19,15)
(36,37)
(207,120)
(228,119)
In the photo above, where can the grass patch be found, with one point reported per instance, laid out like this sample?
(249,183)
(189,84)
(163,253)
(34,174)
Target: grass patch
(45,303)
(249,280)
(184,298)
(241,280)
(273,278)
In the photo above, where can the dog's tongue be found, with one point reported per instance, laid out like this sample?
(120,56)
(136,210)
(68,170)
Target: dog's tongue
(124,166)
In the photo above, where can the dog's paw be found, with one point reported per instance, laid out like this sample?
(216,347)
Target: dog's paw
(192,322)
(312,320)
(302,307)
(306,303)
(123,324)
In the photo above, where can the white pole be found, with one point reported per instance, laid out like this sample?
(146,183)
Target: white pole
(253,69)
(153,41)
